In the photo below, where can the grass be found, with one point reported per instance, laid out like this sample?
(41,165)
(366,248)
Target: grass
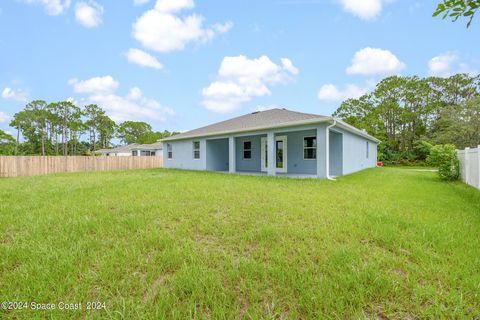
(152,244)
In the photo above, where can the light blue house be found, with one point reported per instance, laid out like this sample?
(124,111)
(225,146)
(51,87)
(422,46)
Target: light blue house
(274,142)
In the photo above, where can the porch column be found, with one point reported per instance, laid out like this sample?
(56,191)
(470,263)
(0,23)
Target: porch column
(321,152)
(231,155)
(272,166)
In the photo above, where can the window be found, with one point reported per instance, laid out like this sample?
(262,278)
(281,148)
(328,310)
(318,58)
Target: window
(247,150)
(309,148)
(147,153)
(367,149)
(135,153)
(196,149)
(169,151)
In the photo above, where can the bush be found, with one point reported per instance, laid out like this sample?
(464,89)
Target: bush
(444,156)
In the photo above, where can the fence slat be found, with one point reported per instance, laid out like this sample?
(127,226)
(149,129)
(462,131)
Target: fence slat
(16,166)
(470,166)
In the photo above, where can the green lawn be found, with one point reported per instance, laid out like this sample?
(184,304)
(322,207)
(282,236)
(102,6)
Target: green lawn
(396,243)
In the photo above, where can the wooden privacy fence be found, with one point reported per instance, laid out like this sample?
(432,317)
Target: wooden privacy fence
(470,166)
(13,166)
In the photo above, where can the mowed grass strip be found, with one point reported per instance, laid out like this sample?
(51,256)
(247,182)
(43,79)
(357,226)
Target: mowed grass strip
(154,244)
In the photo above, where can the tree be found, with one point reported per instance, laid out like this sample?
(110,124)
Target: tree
(133,132)
(458,8)
(7,144)
(93,114)
(403,111)
(106,130)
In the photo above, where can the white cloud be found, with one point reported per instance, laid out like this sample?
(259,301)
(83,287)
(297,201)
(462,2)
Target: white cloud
(16,95)
(364,9)
(169,6)
(104,84)
(161,30)
(449,63)
(143,59)
(240,79)
(4,117)
(88,14)
(265,108)
(140,2)
(52,7)
(441,65)
(370,61)
(330,92)
(132,106)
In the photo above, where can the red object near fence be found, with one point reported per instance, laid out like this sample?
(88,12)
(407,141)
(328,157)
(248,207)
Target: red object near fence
(379,163)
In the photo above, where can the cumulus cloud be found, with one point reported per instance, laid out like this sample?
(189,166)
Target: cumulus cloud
(240,79)
(132,106)
(364,9)
(105,84)
(374,61)
(161,30)
(441,65)
(449,63)
(52,7)
(143,59)
(88,14)
(15,95)
(4,118)
(330,92)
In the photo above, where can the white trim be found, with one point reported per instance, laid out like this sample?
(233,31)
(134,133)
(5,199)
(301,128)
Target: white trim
(314,148)
(243,150)
(193,150)
(264,148)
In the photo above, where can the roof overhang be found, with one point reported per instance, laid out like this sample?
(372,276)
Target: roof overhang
(339,123)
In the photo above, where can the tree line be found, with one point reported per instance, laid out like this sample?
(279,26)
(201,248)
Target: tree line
(406,112)
(62,128)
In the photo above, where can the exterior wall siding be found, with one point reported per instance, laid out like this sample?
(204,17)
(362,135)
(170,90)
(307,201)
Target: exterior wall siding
(295,161)
(182,151)
(253,164)
(336,153)
(355,153)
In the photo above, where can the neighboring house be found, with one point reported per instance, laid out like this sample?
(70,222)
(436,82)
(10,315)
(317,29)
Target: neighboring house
(135,149)
(276,141)
(153,149)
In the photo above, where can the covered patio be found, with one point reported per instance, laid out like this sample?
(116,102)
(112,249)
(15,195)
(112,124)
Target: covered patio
(292,152)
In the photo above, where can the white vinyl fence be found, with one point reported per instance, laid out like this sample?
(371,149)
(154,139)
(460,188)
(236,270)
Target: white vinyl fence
(470,166)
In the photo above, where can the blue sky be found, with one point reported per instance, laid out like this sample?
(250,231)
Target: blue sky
(181,64)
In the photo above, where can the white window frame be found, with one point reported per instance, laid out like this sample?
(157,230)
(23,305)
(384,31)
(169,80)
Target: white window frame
(169,151)
(193,150)
(243,152)
(314,148)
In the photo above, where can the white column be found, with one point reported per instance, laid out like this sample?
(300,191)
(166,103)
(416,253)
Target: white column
(272,165)
(231,155)
(467,165)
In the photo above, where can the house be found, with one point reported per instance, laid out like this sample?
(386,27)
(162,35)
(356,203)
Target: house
(134,149)
(274,142)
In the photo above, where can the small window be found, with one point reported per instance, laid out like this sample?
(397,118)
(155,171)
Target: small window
(169,151)
(152,153)
(145,153)
(309,148)
(196,149)
(135,153)
(367,151)
(247,150)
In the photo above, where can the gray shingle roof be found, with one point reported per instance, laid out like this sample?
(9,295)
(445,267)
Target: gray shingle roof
(151,146)
(255,120)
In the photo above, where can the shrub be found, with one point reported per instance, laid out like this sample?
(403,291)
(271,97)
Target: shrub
(444,156)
